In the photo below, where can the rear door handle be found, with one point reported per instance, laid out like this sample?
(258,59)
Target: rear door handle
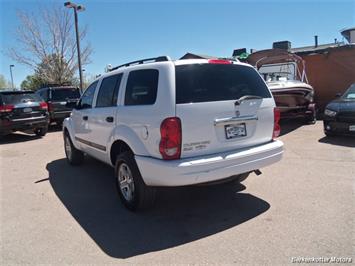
(109,119)
(85,117)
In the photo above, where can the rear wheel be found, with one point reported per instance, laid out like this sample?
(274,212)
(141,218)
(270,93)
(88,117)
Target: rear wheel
(312,119)
(74,156)
(134,193)
(41,132)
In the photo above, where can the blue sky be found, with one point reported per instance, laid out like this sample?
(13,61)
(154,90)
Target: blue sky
(122,31)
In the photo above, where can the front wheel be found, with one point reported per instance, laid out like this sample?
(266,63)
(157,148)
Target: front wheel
(134,193)
(74,156)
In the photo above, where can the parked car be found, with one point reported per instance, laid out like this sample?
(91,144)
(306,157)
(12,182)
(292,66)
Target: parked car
(339,115)
(60,100)
(175,123)
(22,110)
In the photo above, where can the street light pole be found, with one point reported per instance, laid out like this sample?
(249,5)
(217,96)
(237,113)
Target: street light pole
(12,79)
(76,9)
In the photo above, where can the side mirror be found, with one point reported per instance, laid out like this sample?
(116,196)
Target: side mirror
(338,95)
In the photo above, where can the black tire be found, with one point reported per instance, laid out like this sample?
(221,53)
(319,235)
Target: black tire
(312,119)
(74,156)
(141,195)
(41,132)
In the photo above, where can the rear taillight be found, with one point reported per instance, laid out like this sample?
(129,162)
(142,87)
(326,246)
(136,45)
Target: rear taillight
(219,61)
(277,128)
(43,105)
(6,108)
(170,142)
(50,106)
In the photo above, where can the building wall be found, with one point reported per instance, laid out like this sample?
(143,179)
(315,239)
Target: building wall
(330,72)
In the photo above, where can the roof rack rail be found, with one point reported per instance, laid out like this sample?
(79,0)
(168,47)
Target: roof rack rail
(143,61)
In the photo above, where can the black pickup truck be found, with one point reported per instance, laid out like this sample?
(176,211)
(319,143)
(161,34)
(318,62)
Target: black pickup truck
(22,110)
(61,100)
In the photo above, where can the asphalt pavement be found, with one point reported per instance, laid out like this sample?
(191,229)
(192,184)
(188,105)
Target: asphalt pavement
(300,208)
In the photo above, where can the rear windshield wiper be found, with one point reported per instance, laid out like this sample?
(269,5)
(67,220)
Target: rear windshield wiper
(247,97)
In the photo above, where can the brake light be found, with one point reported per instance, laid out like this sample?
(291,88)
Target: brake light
(277,128)
(219,61)
(170,142)
(6,108)
(43,105)
(49,106)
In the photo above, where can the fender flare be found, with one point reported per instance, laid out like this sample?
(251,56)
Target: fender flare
(67,125)
(130,137)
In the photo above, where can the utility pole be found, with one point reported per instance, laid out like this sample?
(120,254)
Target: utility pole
(77,8)
(12,78)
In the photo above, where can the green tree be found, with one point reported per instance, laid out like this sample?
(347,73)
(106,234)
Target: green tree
(4,84)
(32,82)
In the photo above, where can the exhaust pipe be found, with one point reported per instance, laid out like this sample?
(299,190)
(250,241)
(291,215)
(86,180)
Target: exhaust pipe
(257,172)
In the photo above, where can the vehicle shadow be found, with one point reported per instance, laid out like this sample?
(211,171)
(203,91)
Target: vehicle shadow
(17,137)
(289,125)
(346,141)
(54,128)
(181,215)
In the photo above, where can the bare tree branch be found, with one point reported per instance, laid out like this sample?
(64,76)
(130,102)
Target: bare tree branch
(47,43)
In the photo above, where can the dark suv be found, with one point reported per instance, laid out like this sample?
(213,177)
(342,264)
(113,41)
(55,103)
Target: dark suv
(60,100)
(22,111)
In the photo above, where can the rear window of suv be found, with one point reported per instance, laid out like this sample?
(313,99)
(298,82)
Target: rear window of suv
(17,98)
(217,82)
(65,94)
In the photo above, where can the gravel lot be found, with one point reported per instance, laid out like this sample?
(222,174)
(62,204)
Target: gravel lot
(53,213)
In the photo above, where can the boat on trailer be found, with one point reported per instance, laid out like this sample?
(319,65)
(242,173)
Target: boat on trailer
(285,75)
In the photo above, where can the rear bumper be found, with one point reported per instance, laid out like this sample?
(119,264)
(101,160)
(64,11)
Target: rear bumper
(336,127)
(202,169)
(8,126)
(307,111)
(60,115)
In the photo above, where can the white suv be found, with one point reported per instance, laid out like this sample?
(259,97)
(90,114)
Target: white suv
(160,122)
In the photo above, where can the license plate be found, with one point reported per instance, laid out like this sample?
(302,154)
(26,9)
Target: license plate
(27,110)
(352,128)
(235,131)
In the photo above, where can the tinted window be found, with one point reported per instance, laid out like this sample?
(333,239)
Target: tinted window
(88,96)
(43,94)
(108,91)
(217,82)
(16,98)
(142,86)
(65,94)
(350,93)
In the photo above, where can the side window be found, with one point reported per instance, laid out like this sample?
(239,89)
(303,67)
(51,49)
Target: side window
(108,92)
(88,96)
(142,86)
